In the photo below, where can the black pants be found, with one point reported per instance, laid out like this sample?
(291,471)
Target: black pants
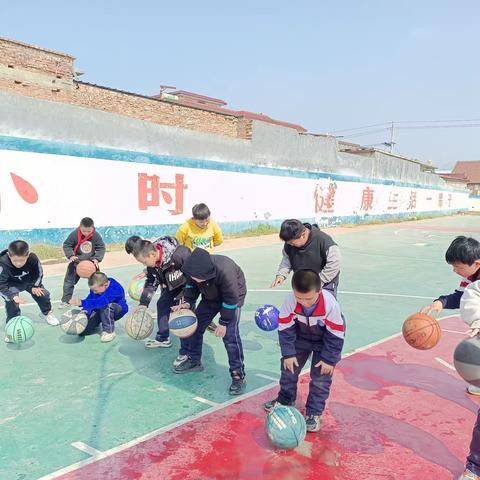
(192,346)
(106,316)
(167,299)
(69,282)
(13,309)
(473,459)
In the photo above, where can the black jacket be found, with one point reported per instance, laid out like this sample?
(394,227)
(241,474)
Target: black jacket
(96,243)
(224,282)
(25,278)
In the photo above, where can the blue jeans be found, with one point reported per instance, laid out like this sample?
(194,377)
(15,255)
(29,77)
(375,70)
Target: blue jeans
(106,317)
(319,384)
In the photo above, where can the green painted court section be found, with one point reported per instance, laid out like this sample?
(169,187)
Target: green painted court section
(58,390)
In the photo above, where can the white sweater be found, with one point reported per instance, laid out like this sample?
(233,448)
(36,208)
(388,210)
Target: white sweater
(470,305)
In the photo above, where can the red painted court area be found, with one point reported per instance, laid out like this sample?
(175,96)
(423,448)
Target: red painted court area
(394,413)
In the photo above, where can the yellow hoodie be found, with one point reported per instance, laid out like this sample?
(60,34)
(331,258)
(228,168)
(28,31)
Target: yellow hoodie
(192,236)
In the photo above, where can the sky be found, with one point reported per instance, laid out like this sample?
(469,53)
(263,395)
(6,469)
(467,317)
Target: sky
(326,65)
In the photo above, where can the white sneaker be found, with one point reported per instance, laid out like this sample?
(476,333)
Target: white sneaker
(64,305)
(50,318)
(156,344)
(8,339)
(179,360)
(107,337)
(472,390)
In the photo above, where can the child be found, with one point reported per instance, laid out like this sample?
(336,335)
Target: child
(464,256)
(470,312)
(221,283)
(163,259)
(84,243)
(104,305)
(21,271)
(307,247)
(310,322)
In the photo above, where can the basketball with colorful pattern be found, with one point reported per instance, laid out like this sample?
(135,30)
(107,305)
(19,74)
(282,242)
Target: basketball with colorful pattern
(19,329)
(266,317)
(286,427)
(135,288)
(182,323)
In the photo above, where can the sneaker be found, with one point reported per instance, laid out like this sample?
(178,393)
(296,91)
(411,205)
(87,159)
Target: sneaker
(107,337)
(188,365)
(212,327)
(270,405)
(50,318)
(238,385)
(468,475)
(180,359)
(8,339)
(314,422)
(64,305)
(472,390)
(158,344)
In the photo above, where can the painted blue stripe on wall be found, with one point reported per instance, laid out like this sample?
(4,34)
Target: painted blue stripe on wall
(78,150)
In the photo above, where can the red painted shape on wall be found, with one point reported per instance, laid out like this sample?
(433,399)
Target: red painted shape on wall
(25,189)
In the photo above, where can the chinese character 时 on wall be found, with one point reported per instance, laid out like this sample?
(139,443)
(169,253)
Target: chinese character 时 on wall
(367,199)
(325,198)
(412,203)
(150,190)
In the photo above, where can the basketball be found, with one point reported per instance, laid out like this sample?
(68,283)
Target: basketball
(139,324)
(421,331)
(466,359)
(74,322)
(266,317)
(135,288)
(182,323)
(86,268)
(19,329)
(286,427)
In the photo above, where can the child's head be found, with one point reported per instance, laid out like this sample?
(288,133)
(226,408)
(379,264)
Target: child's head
(306,287)
(18,251)
(131,242)
(463,255)
(86,226)
(201,215)
(146,253)
(294,233)
(98,282)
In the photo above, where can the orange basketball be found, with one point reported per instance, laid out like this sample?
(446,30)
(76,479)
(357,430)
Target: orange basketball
(85,268)
(421,331)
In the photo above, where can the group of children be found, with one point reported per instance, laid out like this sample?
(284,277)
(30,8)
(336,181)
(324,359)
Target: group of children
(184,267)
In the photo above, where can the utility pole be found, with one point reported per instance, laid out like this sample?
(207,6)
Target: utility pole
(391,137)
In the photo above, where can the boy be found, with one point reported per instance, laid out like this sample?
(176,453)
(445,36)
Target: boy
(200,231)
(163,259)
(22,271)
(463,255)
(470,312)
(84,243)
(104,305)
(307,247)
(310,322)
(221,283)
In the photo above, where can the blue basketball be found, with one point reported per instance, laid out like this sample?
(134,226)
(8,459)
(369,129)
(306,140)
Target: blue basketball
(266,317)
(183,323)
(286,427)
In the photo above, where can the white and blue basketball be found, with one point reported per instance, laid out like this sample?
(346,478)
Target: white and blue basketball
(286,427)
(182,323)
(266,317)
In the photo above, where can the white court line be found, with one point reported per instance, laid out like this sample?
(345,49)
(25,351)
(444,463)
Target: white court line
(191,418)
(444,363)
(206,402)
(33,303)
(374,294)
(83,447)
(266,377)
(454,331)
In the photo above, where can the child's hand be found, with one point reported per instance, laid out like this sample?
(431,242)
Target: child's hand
(38,292)
(436,306)
(325,368)
(18,300)
(220,331)
(140,275)
(75,301)
(94,261)
(474,332)
(176,308)
(73,258)
(290,364)
(279,279)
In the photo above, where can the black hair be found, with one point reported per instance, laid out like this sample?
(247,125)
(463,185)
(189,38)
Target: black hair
(143,248)
(200,211)
(86,222)
(19,248)
(97,278)
(464,250)
(304,281)
(131,242)
(291,229)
